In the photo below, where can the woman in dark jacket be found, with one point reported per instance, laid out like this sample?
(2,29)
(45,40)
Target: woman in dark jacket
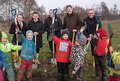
(36,25)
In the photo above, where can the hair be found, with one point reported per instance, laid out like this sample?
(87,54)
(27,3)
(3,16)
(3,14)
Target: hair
(69,6)
(90,10)
(35,13)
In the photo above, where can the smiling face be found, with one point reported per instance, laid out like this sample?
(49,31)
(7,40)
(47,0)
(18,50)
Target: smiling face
(4,40)
(20,18)
(35,16)
(29,36)
(65,36)
(91,13)
(69,10)
(51,13)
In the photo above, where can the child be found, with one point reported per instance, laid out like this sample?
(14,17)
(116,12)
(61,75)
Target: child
(101,50)
(7,48)
(77,56)
(28,53)
(2,65)
(63,49)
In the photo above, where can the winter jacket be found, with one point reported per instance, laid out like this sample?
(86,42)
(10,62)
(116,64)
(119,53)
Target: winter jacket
(13,30)
(102,46)
(28,51)
(63,49)
(71,22)
(37,27)
(91,24)
(77,56)
(7,49)
(2,59)
(57,25)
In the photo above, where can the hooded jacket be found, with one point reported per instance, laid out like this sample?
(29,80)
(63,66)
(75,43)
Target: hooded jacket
(28,51)
(103,43)
(2,59)
(7,48)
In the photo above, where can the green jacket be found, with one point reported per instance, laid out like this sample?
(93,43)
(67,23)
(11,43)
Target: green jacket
(7,49)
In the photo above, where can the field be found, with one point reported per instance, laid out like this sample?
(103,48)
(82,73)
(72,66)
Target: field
(48,72)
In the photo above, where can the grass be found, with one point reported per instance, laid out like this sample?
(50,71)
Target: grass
(51,70)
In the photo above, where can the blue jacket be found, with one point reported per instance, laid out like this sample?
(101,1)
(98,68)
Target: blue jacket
(28,51)
(2,59)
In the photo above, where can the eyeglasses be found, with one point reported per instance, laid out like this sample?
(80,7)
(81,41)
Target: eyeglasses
(90,13)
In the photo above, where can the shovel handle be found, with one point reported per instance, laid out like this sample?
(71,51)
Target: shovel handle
(53,49)
(35,39)
(73,37)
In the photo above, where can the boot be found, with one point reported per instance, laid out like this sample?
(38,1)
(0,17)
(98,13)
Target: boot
(97,78)
(20,75)
(59,77)
(37,58)
(66,77)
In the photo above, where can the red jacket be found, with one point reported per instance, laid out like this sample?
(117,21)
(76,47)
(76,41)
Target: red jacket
(63,49)
(102,46)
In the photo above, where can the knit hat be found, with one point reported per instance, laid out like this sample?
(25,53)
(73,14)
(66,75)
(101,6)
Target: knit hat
(81,39)
(29,31)
(65,31)
(4,35)
(102,32)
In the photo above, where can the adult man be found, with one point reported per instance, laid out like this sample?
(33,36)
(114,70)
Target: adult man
(57,26)
(21,26)
(36,25)
(92,26)
(72,21)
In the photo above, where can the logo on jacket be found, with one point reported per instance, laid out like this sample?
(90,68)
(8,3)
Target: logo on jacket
(63,46)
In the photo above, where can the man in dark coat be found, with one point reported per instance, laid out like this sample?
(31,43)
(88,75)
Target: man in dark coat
(57,26)
(37,26)
(92,26)
(21,25)
(72,21)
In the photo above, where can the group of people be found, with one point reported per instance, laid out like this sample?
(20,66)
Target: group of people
(65,51)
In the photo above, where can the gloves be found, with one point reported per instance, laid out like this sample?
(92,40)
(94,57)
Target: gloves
(3,68)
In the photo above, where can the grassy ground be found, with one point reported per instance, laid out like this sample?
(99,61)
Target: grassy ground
(48,72)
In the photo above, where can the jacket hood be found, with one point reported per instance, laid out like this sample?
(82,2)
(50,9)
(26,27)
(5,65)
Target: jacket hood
(4,35)
(29,31)
(102,32)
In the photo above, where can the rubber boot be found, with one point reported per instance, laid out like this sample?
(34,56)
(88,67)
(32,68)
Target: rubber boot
(37,58)
(20,75)
(60,77)
(66,77)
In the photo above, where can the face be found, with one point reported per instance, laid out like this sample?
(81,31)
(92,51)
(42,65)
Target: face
(35,16)
(76,43)
(20,18)
(91,13)
(65,36)
(4,40)
(51,13)
(69,10)
(29,36)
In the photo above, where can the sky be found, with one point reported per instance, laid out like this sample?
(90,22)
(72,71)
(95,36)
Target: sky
(51,4)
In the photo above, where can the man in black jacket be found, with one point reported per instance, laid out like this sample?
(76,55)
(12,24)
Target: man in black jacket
(21,25)
(37,26)
(57,26)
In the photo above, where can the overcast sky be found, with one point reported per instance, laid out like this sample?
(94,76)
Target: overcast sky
(83,3)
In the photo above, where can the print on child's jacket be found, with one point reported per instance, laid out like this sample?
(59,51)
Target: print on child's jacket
(63,46)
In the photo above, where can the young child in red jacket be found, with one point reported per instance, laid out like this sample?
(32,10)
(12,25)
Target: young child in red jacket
(63,50)
(101,50)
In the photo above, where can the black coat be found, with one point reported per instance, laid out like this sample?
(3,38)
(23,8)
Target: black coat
(37,27)
(12,30)
(57,25)
(91,25)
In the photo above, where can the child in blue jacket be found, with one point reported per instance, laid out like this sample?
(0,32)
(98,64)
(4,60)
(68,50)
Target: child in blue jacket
(28,53)
(2,65)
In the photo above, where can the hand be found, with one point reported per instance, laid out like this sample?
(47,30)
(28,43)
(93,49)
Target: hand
(73,72)
(111,49)
(35,33)
(74,30)
(3,68)
(16,30)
